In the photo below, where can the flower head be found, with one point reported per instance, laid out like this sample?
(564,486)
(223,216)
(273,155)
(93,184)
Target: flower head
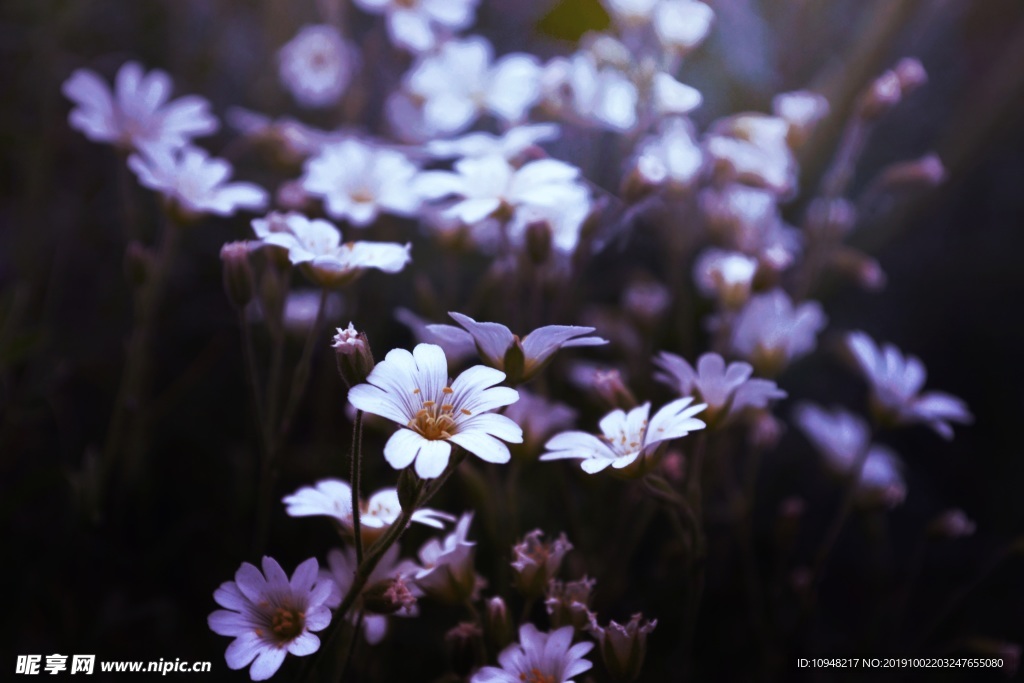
(568,603)
(896,382)
(195,182)
(316,246)
(623,647)
(509,145)
(333,498)
(539,658)
(538,562)
(316,65)
(447,573)
(671,158)
(771,332)
(522,358)
(137,114)
(626,438)
(415,24)
(413,390)
(270,616)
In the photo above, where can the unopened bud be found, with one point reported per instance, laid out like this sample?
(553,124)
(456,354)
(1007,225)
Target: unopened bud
(832,218)
(139,263)
(908,176)
(353,355)
(610,388)
(388,596)
(238,277)
(537,562)
(952,524)
(911,74)
(623,647)
(860,267)
(568,604)
(463,644)
(498,623)
(765,430)
(409,486)
(538,241)
(881,96)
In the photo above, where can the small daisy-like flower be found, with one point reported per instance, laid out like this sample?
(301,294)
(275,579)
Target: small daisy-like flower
(137,114)
(522,358)
(358,181)
(771,332)
(896,382)
(413,390)
(316,246)
(195,182)
(843,438)
(316,66)
(672,158)
(727,390)
(539,658)
(343,566)
(270,616)
(447,573)
(623,647)
(415,24)
(333,498)
(626,438)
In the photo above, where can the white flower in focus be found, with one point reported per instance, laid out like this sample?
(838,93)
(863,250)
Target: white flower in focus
(771,332)
(626,438)
(333,498)
(270,616)
(413,24)
(671,158)
(896,382)
(447,573)
(842,439)
(509,145)
(456,345)
(412,389)
(727,390)
(136,115)
(316,246)
(458,83)
(316,66)
(681,25)
(539,658)
(522,358)
(195,182)
(357,181)
(342,571)
(727,276)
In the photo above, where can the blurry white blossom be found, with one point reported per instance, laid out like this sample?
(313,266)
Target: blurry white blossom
(270,616)
(447,573)
(802,110)
(682,25)
(416,24)
(727,390)
(753,149)
(137,114)
(602,95)
(358,181)
(771,332)
(317,65)
(626,438)
(343,565)
(413,390)
(455,85)
(671,158)
(195,182)
(726,276)
(539,657)
(842,439)
(509,145)
(896,382)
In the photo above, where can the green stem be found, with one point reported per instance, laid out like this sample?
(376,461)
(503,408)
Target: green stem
(301,377)
(356,458)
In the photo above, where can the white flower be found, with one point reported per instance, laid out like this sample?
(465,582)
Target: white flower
(342,571)
(723,388)
(631,11)
(458,83)
(357,181)
(539,658)
(522,359)
(896,382)
(333,498)
(412,389)
(672,157)
(136,115)
(316,246)
(669,97)
(509,145)
(681,25)
(601,95)
(626,438)
(412,24)
(316,65)
(752,148)
(271,616)
(725,275)
(801,109)
(447,573)
(195,182)
(770,332)
(842,439)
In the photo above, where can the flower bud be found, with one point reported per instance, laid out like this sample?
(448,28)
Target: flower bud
(568,604)
(353,355)
(908,176)
(911,74)
(388,596)
(537,562)
(463,643)
(498,623)
(881,96)
(623,647)
(609,386)
(238,278)
(409,485)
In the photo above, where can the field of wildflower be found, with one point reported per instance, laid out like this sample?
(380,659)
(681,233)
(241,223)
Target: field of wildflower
(513,341)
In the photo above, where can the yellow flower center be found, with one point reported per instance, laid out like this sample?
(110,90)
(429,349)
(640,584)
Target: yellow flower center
(436,420)
(535,675)
(287,623)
